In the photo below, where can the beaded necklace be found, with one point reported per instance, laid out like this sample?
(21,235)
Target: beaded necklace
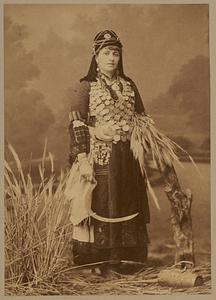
(113,86)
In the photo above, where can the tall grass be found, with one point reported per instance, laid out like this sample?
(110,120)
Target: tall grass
(38,232)
(37,228)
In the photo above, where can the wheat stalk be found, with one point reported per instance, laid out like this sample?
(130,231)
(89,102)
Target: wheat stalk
(36,227)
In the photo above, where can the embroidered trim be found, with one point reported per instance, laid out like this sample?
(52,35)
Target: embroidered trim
(74,115)
(79,136)
(78,123)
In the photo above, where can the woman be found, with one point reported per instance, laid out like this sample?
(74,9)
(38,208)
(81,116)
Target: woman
(101,123)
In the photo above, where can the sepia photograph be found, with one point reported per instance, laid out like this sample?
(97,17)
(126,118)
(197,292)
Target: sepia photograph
(107,149)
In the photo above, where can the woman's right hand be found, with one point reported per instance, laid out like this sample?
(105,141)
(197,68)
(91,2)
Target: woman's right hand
(85,168)
(104,133)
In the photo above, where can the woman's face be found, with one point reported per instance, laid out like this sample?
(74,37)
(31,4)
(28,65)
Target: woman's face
(108,59)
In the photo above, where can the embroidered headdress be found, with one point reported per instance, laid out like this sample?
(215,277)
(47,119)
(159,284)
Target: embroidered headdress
(105,38)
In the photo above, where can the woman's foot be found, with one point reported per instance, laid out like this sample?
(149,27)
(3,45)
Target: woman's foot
(106,270)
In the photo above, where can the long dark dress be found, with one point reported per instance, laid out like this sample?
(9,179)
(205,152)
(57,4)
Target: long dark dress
(120,192)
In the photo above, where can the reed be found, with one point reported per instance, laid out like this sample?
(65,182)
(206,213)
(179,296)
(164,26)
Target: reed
(38,232)
(37,228)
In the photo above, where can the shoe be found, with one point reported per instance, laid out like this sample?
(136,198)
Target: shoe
(130,268)
(107,270)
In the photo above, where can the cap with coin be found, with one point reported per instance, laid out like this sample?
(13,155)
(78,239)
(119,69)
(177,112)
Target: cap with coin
(105,38)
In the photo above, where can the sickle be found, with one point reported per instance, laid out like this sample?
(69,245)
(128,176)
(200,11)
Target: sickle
(112,220)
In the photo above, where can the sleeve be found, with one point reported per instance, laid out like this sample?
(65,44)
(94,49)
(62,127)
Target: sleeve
(139,107)
(78,116)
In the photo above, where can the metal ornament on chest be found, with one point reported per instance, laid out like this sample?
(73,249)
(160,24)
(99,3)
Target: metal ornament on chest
(117,113)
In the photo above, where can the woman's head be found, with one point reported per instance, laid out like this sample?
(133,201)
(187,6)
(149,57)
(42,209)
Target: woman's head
(107,55)
(108,59)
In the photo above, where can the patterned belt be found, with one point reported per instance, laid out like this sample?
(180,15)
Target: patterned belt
(101,170)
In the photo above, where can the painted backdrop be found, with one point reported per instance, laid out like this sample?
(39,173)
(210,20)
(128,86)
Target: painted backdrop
(49,47)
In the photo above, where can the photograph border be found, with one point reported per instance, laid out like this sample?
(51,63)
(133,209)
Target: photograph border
(212,46)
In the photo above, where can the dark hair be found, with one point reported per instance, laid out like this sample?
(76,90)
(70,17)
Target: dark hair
(92,72)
